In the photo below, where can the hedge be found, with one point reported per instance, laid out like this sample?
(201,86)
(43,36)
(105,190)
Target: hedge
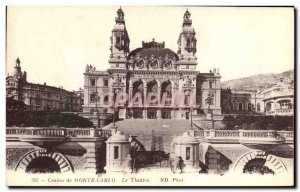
(258,122)
(45,119)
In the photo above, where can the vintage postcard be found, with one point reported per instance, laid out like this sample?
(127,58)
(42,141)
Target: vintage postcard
(150,96)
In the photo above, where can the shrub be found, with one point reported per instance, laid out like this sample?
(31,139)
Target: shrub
(45,119)
(259,122)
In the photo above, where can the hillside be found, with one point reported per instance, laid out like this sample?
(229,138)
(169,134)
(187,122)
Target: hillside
(258,81)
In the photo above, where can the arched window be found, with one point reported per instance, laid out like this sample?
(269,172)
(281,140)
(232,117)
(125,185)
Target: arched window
(187,99)
(258,107)
(249,106)
(106,100)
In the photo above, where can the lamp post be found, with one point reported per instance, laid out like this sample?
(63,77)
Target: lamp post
(96,99)
(115,108)
(191,112)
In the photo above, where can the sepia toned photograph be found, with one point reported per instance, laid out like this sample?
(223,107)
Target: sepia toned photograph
(157,96)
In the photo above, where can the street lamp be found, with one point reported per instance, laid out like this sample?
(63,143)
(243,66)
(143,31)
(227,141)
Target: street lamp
(97,111)
(115,108)
(191,112)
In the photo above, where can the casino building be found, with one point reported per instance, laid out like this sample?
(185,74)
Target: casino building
(152,72)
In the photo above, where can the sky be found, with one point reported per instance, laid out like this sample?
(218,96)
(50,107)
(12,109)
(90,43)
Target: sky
(54,44)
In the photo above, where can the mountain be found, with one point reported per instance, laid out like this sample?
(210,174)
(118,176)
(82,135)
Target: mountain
(258,81)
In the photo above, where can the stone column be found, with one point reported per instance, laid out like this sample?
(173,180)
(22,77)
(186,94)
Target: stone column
(158,113)
(94,161)
(158,96)
(145,96)
(145,114)
(130,94)
(180,113)
(173,114)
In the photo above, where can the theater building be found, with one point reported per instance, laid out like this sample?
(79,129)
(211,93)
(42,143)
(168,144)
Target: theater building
(152,81)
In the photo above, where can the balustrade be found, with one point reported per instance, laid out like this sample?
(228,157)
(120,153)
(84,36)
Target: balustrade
(57,132)
(227,133)
(14,132)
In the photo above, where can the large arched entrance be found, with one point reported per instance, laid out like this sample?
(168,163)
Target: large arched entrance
(259,162)
(257,166)
(166,93)
(137,94)
(41,161)
(43,165)
(152,93)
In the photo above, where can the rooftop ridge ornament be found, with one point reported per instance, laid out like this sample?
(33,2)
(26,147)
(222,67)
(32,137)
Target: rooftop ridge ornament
(153,44)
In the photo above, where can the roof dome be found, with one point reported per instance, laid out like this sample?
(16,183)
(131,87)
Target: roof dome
(185,138)
(153,49)
(119,137)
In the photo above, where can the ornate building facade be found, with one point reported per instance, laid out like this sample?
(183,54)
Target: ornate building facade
(40,97)
(152,81)
(277,99)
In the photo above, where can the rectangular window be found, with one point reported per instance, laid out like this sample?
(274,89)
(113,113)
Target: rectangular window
(116,152)
(92,97)
(93,82)
(105,82)
(117,65)
(188,153)
(210,84)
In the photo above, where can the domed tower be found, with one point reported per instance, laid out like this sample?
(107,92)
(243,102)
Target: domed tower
(17,69)
(187,44)
(119,42)
(16,82)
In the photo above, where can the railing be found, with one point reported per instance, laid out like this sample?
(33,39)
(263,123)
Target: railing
(259,134)
(79,132)
(288,135)
(281,111)
(13,132)
(44,132)
(199,134)
(209,135)
(213,135)
(227,133)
